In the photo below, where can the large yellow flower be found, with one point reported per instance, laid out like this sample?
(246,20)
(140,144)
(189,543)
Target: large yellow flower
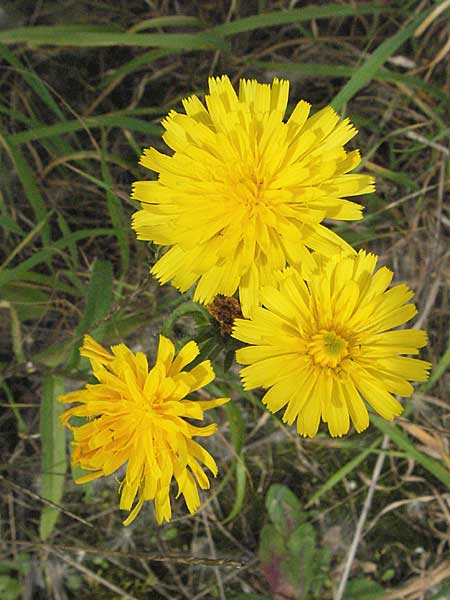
(139,417)
(324,344)
(244,193)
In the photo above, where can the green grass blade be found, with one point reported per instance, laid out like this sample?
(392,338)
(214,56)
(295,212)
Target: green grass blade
(9,225)
(402,440)
(31,189)
(41,89)
(119,219)
(31,304)
(136,63)
(315,70)
(71,246)
(437,373)
(22,271)
(24,242)
(47,131)
(343,472)
(296,15)
(21,426)
(367,71)
(169,21)
(237,430)
(80,36)
(32,79)
(54,459)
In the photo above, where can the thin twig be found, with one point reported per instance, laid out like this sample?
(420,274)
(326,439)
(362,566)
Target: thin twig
(91,575)
(362,519)
(22,490)
(213,554)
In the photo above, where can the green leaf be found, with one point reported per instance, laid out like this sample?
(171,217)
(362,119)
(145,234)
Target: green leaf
(54,355)
(10,588)
(239,497)
(302,550)
(272,547)
(122,323)
(54,460)
(21,564)
(237,429)
(292,563)
(363,589)
(99,295)
(284,508)
(29,302)
(99,298)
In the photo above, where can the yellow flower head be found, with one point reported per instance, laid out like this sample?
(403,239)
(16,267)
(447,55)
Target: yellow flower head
(244,192)
(323,345)
(139,417)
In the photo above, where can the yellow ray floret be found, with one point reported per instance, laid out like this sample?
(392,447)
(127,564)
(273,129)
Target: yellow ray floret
(244,192)
(325,344)
(139,418)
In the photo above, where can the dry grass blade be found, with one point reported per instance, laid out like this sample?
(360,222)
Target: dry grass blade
(421,584)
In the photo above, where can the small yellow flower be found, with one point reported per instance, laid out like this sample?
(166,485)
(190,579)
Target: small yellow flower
(244,193)
(324,344)
(140,417)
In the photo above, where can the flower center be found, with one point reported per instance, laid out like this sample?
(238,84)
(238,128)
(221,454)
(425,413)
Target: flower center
(247,183)
(327,348)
